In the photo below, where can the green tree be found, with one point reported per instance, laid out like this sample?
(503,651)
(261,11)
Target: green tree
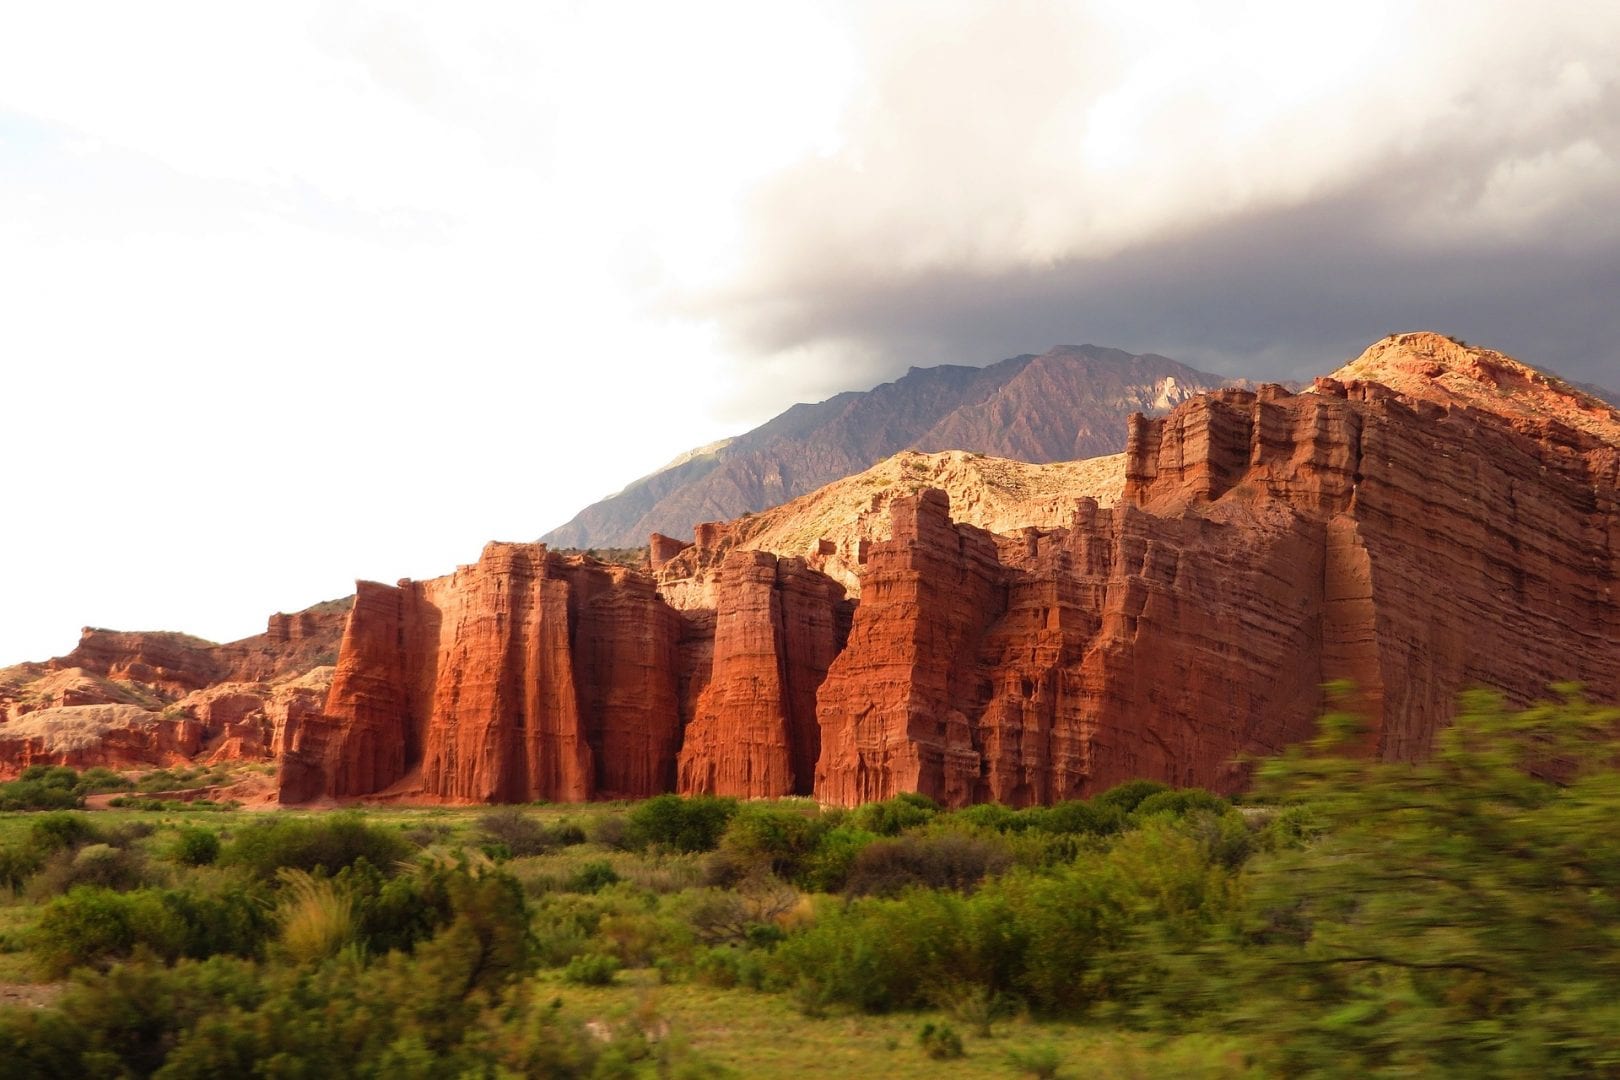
(1456,917)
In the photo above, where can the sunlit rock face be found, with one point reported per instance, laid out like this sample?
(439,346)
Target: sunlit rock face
(1168,615)
(1266,543)
(144,699)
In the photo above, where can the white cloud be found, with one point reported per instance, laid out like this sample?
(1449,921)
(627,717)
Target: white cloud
(297,292)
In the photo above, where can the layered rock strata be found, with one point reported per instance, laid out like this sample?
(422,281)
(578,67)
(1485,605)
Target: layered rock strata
(753,730)
(128,700)
(1167,617)
(534,675)
(1267,543)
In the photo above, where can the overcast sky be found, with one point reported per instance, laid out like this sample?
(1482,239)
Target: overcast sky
(296,293)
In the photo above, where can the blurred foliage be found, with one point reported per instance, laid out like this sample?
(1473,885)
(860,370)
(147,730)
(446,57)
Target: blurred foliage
(1457,917)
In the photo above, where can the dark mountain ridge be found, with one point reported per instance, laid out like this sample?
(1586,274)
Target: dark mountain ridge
(1062,405)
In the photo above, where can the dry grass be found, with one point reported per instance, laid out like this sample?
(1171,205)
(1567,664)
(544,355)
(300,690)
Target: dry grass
(317,918)
(762,1036)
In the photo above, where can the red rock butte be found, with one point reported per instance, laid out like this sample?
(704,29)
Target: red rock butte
(1431,519)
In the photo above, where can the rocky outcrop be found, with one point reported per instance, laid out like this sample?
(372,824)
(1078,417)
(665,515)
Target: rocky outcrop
(85,736)
(831,527)
(1166,614)
(535,675)
(1266,543)
(1433,517)
(528,675)
(777,627)
(177,696)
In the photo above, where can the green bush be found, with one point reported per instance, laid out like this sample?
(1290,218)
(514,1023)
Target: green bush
(55,832)
(893,816)
(1042,1061)
(17,864)
(591,969)
(828,867)
(780,840)
(94,926)
(100,780)
(677,823)
(1180,803)
(42,787)
(515,831)
(102,865)
(940,1042)
(593,877)
(1077,817)
(1128,796)
(195,847)
(327,843)
(942,861)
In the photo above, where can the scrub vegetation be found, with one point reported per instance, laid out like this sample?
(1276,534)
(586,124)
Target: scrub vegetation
(1347,918)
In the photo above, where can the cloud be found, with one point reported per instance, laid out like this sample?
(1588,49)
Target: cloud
(1265,186)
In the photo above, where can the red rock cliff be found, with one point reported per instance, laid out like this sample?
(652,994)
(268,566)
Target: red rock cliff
(1263,543)
(528,675)
(777,627)
(1267,543)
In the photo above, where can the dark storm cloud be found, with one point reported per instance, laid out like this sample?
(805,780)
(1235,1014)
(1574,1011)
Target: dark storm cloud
(1491,212)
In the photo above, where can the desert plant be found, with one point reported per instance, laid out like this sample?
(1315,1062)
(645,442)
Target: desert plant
(679,823)
(591,969)
(315,916)
(195,847)
(940,1042)
(1042,1061)
(1129,795)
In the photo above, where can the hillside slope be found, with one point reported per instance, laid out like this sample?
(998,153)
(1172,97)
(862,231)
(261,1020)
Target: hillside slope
(1066,404)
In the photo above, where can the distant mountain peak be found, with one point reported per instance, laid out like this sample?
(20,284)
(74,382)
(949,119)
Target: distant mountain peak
(1068,403)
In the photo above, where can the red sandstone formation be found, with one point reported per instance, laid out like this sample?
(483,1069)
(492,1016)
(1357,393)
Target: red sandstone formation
(1162,614)
(1259,544)
(753,732)
(533,675)
(147,699)
(1267,543)
(529,675)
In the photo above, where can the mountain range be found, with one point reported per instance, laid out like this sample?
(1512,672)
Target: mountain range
(1063,405)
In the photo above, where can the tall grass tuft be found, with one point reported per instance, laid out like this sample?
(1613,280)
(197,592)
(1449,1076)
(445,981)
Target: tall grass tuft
(316,917)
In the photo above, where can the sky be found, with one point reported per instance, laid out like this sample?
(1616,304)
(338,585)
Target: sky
(297,293)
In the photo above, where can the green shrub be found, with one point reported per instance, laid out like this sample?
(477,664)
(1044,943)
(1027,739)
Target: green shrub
(780,840)
(17,864)
(1180,803)
(893,816)
(1077,817)
(593,877)
(1041,1061)
(100,780)
(828,867)
(942,861)
(1127,796)
(591,969)
(55,832)
(940,1042)
(102,865)
(677,823)
(195,847)
(327,843)
(94,926)
(516,831)
(42,787)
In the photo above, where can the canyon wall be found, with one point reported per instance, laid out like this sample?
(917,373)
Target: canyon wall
(535,675)
(1266,544)
(1262,544)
